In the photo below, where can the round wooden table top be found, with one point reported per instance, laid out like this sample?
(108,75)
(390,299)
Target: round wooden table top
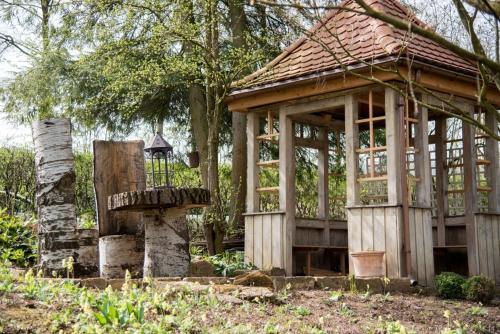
(161,198)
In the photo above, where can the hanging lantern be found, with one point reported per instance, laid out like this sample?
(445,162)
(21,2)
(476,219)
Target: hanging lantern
(160,154)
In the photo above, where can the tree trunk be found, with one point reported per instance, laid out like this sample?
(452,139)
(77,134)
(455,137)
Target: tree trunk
(214,225)
(45,108)
(119,253)
(199,122)
(239,122)
(198,109)
(55,193)
(159,125)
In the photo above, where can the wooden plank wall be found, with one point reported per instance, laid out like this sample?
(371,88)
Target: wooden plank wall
(310,232)
(264,234)
(377,228)
(421,245)
(487,228)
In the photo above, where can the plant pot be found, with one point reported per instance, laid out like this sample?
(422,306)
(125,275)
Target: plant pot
(193,159)
(368,263)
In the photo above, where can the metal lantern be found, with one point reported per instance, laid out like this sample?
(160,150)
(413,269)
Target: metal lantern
(160,153)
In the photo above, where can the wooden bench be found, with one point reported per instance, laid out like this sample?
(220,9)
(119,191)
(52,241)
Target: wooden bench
(308,249)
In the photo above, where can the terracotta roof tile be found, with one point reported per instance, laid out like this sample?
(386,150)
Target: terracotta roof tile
(346,37)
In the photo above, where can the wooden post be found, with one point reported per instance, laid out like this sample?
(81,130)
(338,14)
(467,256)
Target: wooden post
(493,169)
(422,159)
(352,143)
(252,200)
(470,188)
(323,203)
(423,250)
(287,186)
(396,167)
(441,180)
(393,140)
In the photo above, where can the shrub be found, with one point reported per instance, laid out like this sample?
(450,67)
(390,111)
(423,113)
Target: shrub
(449,285)
(227,263)
(18,241)
(479,289)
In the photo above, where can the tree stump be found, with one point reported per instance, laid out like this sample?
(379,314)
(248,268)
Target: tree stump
(55,193)
(166,251)
(119,253)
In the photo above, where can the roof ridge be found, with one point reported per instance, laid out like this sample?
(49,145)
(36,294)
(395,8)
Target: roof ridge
(397,45)
(384,33)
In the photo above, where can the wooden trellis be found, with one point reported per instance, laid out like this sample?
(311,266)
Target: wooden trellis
(271,136)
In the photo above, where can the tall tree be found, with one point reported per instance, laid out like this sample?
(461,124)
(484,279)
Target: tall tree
(239,31)
(173,60)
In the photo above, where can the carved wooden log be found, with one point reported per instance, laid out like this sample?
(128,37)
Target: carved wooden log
(118,167)
(55,193)
(167,244)
(118,253)
(166,233)
(152,199)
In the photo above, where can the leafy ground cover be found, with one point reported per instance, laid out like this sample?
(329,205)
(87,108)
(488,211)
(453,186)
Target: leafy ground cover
(30,304)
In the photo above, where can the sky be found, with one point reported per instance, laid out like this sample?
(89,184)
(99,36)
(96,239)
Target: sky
(11,61)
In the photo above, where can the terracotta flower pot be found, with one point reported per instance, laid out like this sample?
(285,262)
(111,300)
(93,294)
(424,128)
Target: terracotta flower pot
(194,159)
(368,263)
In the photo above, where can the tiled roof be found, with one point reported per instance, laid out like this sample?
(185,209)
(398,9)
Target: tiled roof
(345,37)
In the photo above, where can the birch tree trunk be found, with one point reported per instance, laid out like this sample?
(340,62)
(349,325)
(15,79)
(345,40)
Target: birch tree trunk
(55,193)
(166,252)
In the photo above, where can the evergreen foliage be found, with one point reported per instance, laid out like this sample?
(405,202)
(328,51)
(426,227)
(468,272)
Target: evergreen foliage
(449,285)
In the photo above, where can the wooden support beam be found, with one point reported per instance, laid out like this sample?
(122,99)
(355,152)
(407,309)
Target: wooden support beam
(268,137)
(313,106)
(318,121)
(270,129)
(243,102)
(267,189)
(422,159)
(287,186)
(309,143)
(323,202)
(393,140)
(377,102)
(252,198)
(493,168)
(352,144)
(441,180)
(453,86)
(268,164)
(470,188)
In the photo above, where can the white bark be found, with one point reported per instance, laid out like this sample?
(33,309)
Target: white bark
(55,194)
(167,245)
(118,253)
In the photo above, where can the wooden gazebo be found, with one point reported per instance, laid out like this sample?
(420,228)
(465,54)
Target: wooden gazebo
(415,183)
